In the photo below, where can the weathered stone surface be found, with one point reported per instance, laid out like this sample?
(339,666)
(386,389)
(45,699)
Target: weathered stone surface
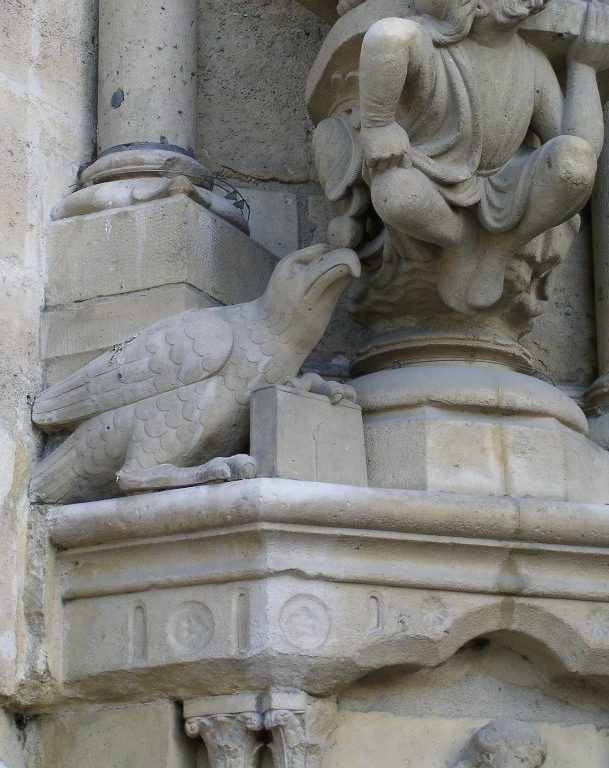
(13,752)
(303,436)
(294,727)
(147,73)
(273,219)
(158,243)
(562,342)
(139,736)
(47,66)
(73,334)
(385,577)
(472,428)
(239,118)
(434,713)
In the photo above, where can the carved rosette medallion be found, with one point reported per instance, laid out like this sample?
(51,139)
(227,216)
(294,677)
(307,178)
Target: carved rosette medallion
(190,628)
(305,622)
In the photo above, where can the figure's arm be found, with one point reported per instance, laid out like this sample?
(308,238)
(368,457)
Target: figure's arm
(549,100)
(588,54)
(384,60)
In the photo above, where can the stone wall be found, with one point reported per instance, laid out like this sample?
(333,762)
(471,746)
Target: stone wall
(47,67)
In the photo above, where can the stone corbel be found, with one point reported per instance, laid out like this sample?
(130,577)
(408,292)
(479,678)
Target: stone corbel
(232,740)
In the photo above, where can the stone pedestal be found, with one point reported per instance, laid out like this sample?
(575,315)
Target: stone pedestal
(115,272)
(303,436)
(478,429)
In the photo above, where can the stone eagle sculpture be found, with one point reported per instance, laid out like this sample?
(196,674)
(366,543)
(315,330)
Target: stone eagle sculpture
(170,407)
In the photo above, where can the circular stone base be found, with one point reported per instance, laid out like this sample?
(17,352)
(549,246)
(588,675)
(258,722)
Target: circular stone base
(478,429)
(143,160)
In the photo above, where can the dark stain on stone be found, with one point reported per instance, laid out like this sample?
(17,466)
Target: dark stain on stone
(117,98)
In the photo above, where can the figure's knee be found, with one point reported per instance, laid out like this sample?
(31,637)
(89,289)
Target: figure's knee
(392,34)
(572,162)
(398,196)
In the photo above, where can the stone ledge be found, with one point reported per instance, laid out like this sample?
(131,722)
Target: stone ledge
(274,500)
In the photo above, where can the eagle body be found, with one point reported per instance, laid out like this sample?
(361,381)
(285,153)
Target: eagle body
(177,395)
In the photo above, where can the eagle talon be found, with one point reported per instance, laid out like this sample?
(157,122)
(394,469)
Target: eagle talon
(335,391)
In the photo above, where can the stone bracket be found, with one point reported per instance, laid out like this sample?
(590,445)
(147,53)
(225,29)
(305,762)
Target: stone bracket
(296,728)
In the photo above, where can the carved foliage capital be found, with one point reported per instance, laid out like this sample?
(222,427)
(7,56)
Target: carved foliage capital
(232,741)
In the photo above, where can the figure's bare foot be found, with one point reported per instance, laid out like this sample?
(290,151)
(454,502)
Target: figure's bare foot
(335,391)
(486,286)
(457,267)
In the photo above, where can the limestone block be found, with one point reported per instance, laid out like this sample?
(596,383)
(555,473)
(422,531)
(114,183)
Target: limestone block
(140,736)
(75,333)
(251,117)
(12,742)
(462,453)
(303,436)
(478,430)
(153,244)
(273,219)
(361,736)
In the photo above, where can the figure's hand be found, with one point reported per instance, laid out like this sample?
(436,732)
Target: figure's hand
(386,146)
(347,5)
(592,45)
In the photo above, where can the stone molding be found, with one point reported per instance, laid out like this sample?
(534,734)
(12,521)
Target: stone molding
(265,501)
(204,584)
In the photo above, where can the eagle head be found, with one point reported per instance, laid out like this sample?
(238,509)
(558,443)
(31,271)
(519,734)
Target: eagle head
(312,280)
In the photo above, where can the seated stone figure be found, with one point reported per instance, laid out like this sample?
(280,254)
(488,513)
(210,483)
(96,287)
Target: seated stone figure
(470,148)
(504,744)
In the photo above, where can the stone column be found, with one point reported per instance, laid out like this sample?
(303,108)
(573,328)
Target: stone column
(147,118)
(147,75)
(597,396)
(156,238)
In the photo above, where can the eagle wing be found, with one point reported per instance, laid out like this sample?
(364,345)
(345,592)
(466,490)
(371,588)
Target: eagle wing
(180,350)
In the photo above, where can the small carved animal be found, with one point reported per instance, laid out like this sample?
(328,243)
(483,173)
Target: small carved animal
(163,409)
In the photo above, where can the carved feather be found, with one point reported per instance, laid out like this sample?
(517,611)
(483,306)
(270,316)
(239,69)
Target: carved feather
(179,351)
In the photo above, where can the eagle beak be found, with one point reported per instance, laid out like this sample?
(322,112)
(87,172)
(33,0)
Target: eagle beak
(330,273)
(342,261)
